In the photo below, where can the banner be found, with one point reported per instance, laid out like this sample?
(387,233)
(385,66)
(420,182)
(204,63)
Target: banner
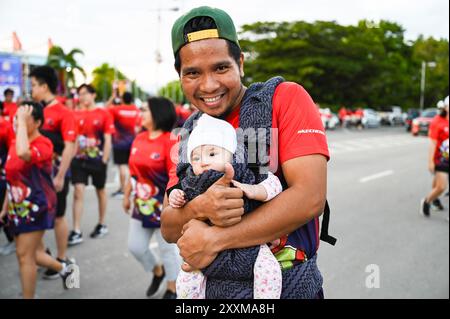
(10,74)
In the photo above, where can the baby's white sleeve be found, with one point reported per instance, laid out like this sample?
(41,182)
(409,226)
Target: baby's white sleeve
(272,185)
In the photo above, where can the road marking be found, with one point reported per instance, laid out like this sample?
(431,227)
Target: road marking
(376,176)
(372,143)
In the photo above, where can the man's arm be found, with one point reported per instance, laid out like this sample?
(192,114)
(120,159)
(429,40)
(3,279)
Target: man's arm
(301,202)
(107,148)
(66,157)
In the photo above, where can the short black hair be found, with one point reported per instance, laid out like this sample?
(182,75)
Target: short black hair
(88,87)
(38,111)
(8,91)
(163,113)
(46,74)
(127,98)
(205,23)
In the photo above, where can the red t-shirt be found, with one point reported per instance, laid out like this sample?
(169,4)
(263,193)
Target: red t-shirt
(9,110)
(300,133)
(300,128)
(92,125)
(439,132)
(6,137)
(59,125)
(125,119)
(151,166)
(6,133)
(182,115)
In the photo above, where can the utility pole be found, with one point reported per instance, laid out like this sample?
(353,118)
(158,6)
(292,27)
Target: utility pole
(425,64)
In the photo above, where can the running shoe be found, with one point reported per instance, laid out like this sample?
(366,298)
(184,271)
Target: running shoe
(99,231)
(437,205)
(51,274)
(117,194)
(156,283)
(169,295)
(66,282)
(75,238)
(424,208)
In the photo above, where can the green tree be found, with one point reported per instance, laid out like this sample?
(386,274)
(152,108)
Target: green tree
(65,64)
(103,78)
(138,92)
(173,91)
(368,64)
(437,78)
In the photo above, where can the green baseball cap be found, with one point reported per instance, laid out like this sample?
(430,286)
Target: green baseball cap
(225,27)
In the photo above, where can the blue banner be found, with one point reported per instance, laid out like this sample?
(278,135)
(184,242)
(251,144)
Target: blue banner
(10,74)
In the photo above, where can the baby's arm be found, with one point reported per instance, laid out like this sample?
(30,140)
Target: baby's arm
(177,198)
(264,191)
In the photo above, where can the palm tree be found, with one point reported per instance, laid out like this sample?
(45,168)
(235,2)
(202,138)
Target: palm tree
(104,77)
(65,65)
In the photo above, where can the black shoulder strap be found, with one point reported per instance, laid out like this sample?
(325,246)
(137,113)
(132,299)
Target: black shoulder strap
(325,221)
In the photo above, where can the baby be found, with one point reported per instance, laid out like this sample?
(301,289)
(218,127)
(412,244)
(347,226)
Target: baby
(211,145)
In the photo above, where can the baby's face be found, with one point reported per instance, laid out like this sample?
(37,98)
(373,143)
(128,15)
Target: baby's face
(208,157)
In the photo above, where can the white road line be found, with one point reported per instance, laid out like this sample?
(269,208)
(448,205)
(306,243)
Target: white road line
(376,176)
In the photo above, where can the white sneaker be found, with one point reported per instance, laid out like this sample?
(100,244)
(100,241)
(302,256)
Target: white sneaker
(8,249)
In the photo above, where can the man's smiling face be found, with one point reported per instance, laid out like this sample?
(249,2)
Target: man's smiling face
(210,77)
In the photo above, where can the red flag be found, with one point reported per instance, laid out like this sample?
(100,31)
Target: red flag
(50,44)
(17,45)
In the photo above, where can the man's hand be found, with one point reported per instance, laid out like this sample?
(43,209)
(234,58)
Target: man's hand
(58,183)
(224,203)
(196,245)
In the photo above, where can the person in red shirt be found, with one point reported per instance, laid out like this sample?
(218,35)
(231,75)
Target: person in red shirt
(342,114)
(125,118)
(183,113)
(359,114)
(60,127)
(9,107)
(438,159)
(31,200)
(210,65)
(151,167)
(6,137)
(95,127)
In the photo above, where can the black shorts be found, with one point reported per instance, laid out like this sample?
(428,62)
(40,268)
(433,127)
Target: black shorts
(61,198)
(121,156)
(2,194)
(442,168)
(81,170)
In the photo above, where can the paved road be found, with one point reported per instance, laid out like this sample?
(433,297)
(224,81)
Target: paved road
(376,179)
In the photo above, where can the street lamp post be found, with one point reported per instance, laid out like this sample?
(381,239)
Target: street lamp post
(158,56)
(425,64)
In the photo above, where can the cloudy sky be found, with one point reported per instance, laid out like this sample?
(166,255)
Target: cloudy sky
(127,33)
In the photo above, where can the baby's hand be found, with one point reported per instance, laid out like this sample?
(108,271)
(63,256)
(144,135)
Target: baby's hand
(177,198)
(249,190)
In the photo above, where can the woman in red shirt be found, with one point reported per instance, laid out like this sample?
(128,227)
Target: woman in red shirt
(151,167)
(31,200)
(438,162)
